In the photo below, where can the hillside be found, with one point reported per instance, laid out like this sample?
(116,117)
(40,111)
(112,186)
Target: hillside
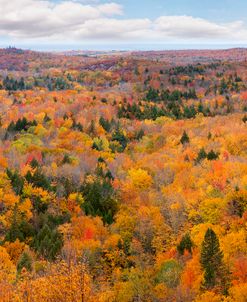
(123,176)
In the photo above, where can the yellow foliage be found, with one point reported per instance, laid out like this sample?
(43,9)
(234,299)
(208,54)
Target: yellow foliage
(198,232)
(209,297)
(7,268)
(40,130)
(212,209)
(15,249)
(239,293)
(140,178)
(234,244)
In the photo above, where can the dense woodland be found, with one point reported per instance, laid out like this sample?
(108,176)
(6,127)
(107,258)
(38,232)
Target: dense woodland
(123,176)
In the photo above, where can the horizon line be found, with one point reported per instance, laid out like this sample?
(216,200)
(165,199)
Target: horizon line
(125,47)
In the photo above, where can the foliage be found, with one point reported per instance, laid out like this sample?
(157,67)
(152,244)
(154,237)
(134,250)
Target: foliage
(123,177)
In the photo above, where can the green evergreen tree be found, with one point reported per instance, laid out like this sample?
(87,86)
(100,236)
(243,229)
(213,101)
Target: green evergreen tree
(25,261)
(48,243)
(185,138)
(244,119)
(201,155)
(212,155)
(215,274)
(105,124)
(185,244)
(120,137)
(100,198)
(14,231)
(17,181)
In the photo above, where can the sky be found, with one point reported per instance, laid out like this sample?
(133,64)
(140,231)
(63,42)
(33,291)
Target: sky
(123,24)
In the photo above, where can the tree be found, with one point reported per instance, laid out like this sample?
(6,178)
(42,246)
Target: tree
(185,244)
(140,178)
(25,262)
(7,268)
(105,124)
(237,202)
(244,119)
(169,273)
(120,137)
(185,138)
(212,262)
(17,181)
(48,243)
(100,198)
(19,228)
(212,155)
(201,155)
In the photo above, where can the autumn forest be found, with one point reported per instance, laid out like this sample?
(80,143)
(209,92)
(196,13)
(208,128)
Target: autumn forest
(123,176)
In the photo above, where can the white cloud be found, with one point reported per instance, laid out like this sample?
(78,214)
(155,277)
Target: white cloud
(37,18)
(79,20)
(190,28)
(113,29)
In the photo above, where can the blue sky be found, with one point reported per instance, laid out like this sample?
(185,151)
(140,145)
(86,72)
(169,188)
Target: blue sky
(216,10)
(99,23)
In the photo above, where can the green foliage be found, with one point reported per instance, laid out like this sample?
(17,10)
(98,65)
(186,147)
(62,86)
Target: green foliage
(48,243)
(21,124)
(237,203)
(120,137)
(105,124)
(34,163)
(185,138)
(244,119)
(77,126)
(201,155)
(25,261)
(66,159)
(185,244)
(13,84)
(100,199)
(38,179)
(17,181)
(212,262)
(212,155)
(189,112)
(169,273)
(152,95)
(19,228)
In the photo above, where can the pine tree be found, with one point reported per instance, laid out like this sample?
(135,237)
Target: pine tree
(201,155)
(185,138)
(48,243)
(14,231)
(212,155)
(25,261)
(185,244)
(215,274)
(244,119)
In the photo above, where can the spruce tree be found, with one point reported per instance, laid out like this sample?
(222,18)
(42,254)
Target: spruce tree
(244,119)
(48,243)
(212,155)
(185,138)
(215,275)
(201,155)
(185,244)
(25,261)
